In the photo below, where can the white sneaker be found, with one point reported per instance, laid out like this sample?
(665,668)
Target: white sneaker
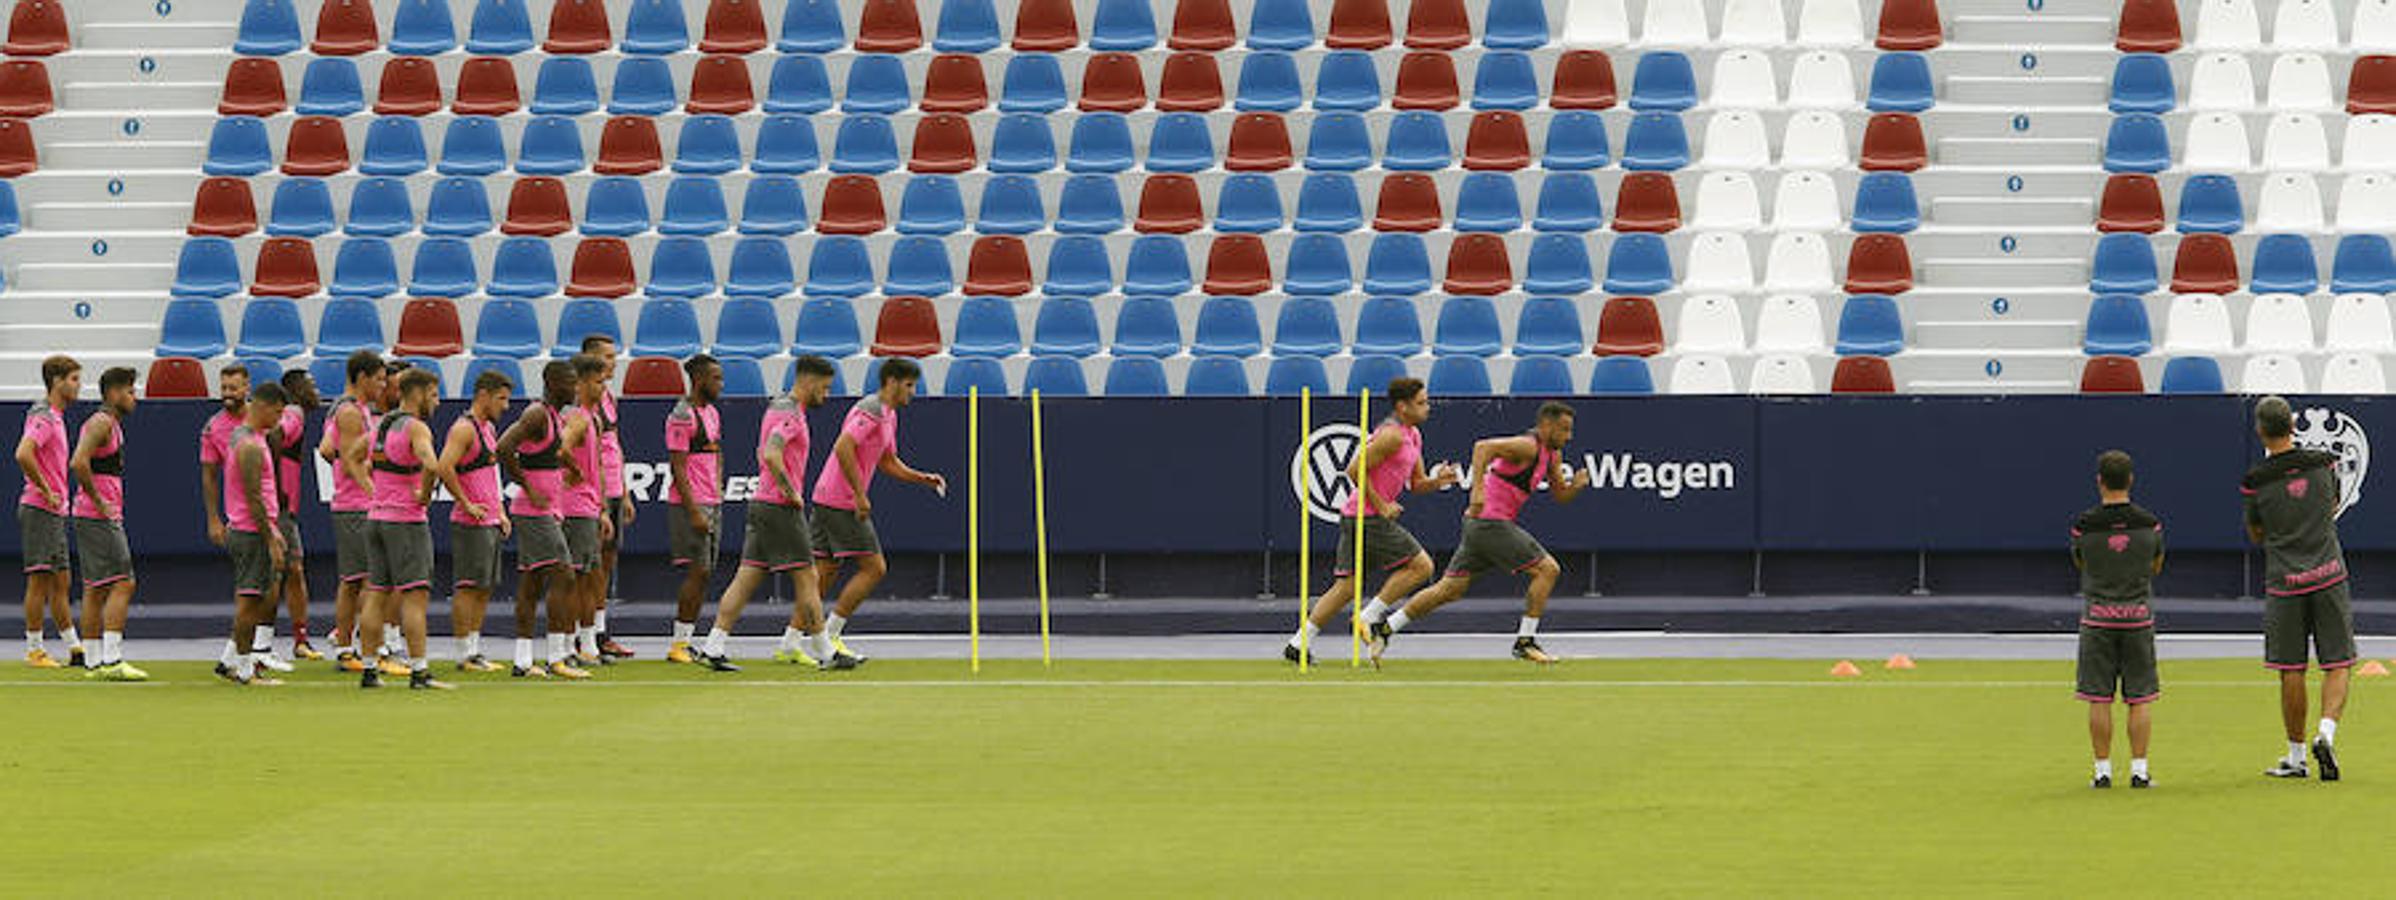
(273,663)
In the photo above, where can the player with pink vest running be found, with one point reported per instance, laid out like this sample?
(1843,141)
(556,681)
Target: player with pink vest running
(1394,458)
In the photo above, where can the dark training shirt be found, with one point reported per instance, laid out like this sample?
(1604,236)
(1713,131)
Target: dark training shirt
(2293,496)
(2116,546)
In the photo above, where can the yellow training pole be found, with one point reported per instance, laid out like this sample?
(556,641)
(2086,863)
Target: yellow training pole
(1040,523)
(1364,426)
(1305,519)
(973,522)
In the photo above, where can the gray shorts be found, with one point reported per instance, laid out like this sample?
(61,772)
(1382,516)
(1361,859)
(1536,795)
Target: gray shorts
(1387,545)
(474,557)
(540,541)
(688,546)
(777,540)
(294,552)
(349,545)
(2118,662)
(102,554)
(401,556)
(253,564)
(615,514)
(2324,619)
(45,534)
(582,542)
(1492,544)
(839,534)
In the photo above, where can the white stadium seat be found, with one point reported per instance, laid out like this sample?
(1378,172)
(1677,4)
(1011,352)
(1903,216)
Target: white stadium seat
(2272,373)
(2221,81)
(1830,23)
(2215,142)
(1743,80)
(1718,261)
(1782,374)
(1806,201)
(1709,323)
(2227,25)
(1596,24)
(1820,79)
(2305,25)
(1814,139)
(2370,144)
(1790,323)
(1799,262)
(2197,324)
(1735,139)
(2278,323)
(2374,28)
(1702,374)
(2359,323)
(2300,82)
(1754,23)
(2295,142)
(2367,202)
(1674,23)
(2288,202)
(1726,201)
(2353,373)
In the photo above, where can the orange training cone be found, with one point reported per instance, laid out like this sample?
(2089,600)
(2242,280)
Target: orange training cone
(2373,669)
(1845,669)
(1900,661)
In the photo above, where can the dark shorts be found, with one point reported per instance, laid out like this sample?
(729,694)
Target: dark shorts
(349,545)
(2118,662)
(474,556)
(400,556)
(688,546)
(1492,545)
(2324,619)
(839,534)
(777,540)
(101,553)
(1387,545)
(253,564)
(540,541)
(294,552)
(582,542)
(45,535)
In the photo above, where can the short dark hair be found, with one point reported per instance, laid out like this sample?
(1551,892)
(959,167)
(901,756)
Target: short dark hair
(587,365)
(2274,418)
(557,377)
(1553,410)
(2114,469)
(241,369)
(897,368)
(1402,389)
(591,342)
(270,394)
(56,369)
(493,380)
(116,377)
(292,379)
(812,365)
(697,364)
(364,364)
(418,379)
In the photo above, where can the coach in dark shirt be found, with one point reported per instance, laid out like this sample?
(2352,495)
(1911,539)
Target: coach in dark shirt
(2292,499)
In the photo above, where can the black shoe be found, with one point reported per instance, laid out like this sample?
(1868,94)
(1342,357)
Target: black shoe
(2286,769)
(527,671)
(422,680)
(371,678)
(75,659)
(840,662)
(1291,654)
(2141,782)
(227,673)
(1527,649)
(718,663)
(2101,782)
(2326,757)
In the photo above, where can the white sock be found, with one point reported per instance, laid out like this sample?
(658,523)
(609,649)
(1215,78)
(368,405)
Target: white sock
(73,639)
(112,647)
(2296,753)
(33,641)
(232,656)
(1376,610)
(474,643)
(715,641)
(524,653)
(588,640)
(557,646)
(1305,635)
(265,639)
(416,664)
(819,645)
(2328,731)
(1528,628)
(1398,620)
(835,624)
(599,622)
(682,631)
(790,638)
(246,667)
(2104,768)
(2138,767)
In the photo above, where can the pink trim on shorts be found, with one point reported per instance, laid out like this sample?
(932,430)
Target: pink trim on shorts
(2141,701)
(2118,626)
(345,579)
(1533,564)
(245,592)
(760,564)
(845,554)
(39,569)
(2285,667)
(410,586)
(464,583)
(2340,664)
(104,582)
(543,564)
(2094,698)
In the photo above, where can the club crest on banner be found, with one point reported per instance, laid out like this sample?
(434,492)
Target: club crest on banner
(1319,470)
(2330,431)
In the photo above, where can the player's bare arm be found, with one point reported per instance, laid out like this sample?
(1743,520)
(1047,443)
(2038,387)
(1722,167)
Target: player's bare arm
(534,424)
(780,473)
(844,453)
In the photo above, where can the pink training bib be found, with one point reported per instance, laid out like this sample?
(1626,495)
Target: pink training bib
(478,473)
(1506,486)
(698,431)
(108,467)
(874,429)
(237,503)
(1394,472)
(397,473)
(584,501)
(785,419)
(611,445)
(348,494)
(539,460)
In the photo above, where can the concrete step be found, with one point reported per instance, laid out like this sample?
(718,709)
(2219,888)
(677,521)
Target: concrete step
(2007,213)
(116,158)
(2044,93)
(2003,274)
(2017,152)
(1993,336)
(161,216)
(90,278)
(155,36)
(2030,30)
(49,337)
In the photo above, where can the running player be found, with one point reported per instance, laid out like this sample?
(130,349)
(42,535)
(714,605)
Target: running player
(255,539)
(2118,547)
(1394,456)
(399,540)
(620,509)
(104,556)
(587,524)
(2292,505)
(346,431)
(777,540)
(1505,472)
(291,455)
(843,521)
(474,540)
(528,450)
(695,454)
(233,391)
(42,511)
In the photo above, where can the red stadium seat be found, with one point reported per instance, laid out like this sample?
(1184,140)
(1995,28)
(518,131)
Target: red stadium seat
(1111,82)
(1629,326)
(286,268)
(1191,83)
(999,265)
(720,84)
(1584,80)
(888,26)
(1359,25)
(2112,375)
(429,327)
(1169,205)
(852,205)
(1409,202)
(2371,85)
(487,87)
(176,378)
(1647,201)
(1236,265)
(1046,26)
(1909,25)
(1203,25)
(602,268)
(908,326)
(943,144)
(628,145)
(1893,143)
(253,87)
(410,87)
(578,26)
(317,146)
(37,28)
(2205,264)
(1879,264)
(1863,375)
(345,28)
(734,26)
(537,205)
(954,84)
(223,207)
(1477,264)
(1498,141)
(653,376)
(1438,25)
(25,89)
(17,154)
(2131,203)
(1259,143)
(2148,26)
(1426,80)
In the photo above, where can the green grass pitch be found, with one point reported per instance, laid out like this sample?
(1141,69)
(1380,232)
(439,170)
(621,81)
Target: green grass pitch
(1612,777)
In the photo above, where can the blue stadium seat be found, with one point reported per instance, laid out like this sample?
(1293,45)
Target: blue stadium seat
(1307,326)
(268,28)
(966,26)
(1622,375)
(666,327)
(1576,140)
(1280,25)
(522,267)
(827,327)
(1541,376)
(681,267)
(2142,84)
(507,329)
(472,146)
(550,145)
(583,317)
(2210,204)
(1487,202)
(1416,140)
(1373,373)
(2137,142)
(330,87)
(1639,265)
(1020,143)
(423,28)
(207,267)
(1209,376)
(931,204)
(1387,326)
(864,144)
(1318,265)
(1568,202)
(444,267)
(2124,264)
(2363,264)
(1900,83)
(694,206)
(378,207)
(774,206)
(270,326)
(1125,25)
(1268,83)
(1884,202)
(1147,326)
(1398,263)
(1179,142)
(395,146)
(1338,142)
(644,86)
(798,84)
(262,369)
(1664,81)
(2284,265)
(1328,203)
(302,207)
(1514,25)
(811,26)
(760,267)
(1459,376)
(237,146)
(1548,326)
(918,266)
(615,206)
(2117,326)
(786,146)
(348,325)
(876,83)
(1158,265)
(1345,81)
(986,327)
(1227,326)
(742,377)
(329,373)
(1869,325)
(966,376)
(1089,204)
(429,364)
(1065,326)
(364,267)
(2192,375)
(837,266)
(499,28)
(747,328)
(565,86)
(1468,326)
(790,374)
(1056,377)
(1505,80)
(1288,376)
(710,145)
(1033,84)
(1010,205)
(11,221)
(458,207)
(1078,266)
(1656,141)
(514,371)
(655,27)
(1248,203)
(1558,264)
